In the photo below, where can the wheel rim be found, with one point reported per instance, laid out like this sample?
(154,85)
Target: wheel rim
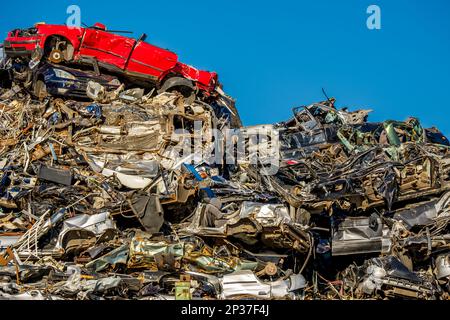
(56,56)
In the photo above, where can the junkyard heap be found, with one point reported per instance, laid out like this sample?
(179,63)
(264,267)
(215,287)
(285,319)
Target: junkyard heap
(99,200)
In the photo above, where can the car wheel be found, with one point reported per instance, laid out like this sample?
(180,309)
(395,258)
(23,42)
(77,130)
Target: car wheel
(40,90)
(56,56)
(181,85)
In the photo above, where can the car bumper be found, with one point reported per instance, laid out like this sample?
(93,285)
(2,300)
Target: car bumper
(19,48)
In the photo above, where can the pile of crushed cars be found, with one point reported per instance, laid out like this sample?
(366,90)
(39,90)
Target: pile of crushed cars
(98,201)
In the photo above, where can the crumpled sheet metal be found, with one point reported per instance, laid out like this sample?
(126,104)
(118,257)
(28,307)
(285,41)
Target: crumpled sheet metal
(242,284)
(145,253)
(97,224)
(189,254)
(110,260)
(98,202)
(356,235)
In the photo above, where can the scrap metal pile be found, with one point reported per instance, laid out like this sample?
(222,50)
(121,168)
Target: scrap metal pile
(98,201)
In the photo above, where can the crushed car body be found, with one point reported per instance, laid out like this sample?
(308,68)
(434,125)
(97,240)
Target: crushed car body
(114,189)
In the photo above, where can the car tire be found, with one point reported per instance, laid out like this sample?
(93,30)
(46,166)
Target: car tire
(181,85)
(40,90)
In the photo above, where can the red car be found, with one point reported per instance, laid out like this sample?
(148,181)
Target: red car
(137,60)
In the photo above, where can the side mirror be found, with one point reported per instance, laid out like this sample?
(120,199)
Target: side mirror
(142,38)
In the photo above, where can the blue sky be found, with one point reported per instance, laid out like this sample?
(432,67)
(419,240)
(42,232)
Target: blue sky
(274,55)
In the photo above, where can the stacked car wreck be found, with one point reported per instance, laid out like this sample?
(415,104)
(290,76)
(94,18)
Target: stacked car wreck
(369,189)
(114,189)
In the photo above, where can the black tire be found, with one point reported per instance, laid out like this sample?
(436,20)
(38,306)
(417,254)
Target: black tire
(181,85)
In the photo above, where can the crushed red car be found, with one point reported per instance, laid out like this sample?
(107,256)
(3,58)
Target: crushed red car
(136,60)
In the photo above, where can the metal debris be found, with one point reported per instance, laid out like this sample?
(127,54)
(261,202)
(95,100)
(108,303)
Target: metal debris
(138,194)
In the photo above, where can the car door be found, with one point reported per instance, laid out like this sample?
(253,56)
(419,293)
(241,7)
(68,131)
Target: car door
(150,60)
(111,50)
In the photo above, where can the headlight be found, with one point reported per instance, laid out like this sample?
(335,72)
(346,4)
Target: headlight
(64,74)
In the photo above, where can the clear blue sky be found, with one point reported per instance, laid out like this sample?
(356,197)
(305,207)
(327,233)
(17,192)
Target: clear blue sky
(273,55)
